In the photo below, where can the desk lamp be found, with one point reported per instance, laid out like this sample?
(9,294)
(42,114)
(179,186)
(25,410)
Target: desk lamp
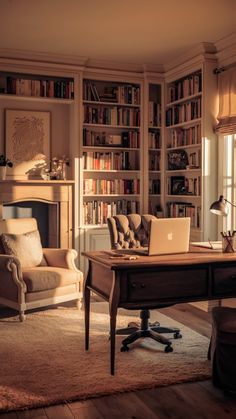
(220,207)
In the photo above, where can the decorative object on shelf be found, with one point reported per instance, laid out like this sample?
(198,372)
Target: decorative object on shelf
(58,167)
(177,160)
(178,185)
(27,140)
(4,162)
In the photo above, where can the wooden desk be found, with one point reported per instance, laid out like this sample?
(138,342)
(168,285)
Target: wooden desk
(150,281)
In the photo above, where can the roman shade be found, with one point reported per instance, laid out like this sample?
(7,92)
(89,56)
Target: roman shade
(227,102)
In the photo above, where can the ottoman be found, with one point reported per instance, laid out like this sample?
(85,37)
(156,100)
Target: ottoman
(223,348)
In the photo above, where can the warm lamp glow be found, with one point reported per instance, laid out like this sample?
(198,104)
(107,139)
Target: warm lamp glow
(220,207)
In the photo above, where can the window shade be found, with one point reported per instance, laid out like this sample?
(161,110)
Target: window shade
(227,102)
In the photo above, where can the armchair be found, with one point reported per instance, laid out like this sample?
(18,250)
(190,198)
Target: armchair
(32,277)
(132,232)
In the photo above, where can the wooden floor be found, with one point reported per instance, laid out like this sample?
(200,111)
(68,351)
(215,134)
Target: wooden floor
(198,400)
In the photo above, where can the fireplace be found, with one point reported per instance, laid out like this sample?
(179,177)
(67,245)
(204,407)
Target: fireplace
(41,211)
(50,202)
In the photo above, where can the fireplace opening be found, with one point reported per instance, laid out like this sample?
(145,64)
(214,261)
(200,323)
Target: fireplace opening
(45,213)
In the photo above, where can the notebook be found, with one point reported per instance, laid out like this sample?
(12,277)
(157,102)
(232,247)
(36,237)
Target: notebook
(167,236)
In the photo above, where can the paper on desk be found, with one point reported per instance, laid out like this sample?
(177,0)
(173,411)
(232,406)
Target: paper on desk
(214,245)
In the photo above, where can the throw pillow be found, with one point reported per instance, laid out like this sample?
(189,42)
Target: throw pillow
(26,247)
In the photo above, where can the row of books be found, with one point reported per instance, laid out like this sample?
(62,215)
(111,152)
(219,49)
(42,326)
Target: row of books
(184,112)
(97,212)
(63,89)
(154,139)
(113,186)
(154,186)
(124,94)
(154,161)
(154,114)
(188,86)
(181,137)
(111,116)
(126,139)
(182,209)
(108,161)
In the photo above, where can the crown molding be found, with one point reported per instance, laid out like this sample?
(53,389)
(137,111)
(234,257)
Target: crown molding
(76,61)
(226,50)
(204,49)
(43,57)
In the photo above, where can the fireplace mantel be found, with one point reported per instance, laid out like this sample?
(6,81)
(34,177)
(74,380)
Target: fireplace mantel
(52,191)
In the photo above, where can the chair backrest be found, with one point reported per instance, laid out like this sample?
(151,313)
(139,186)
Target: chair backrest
(129,231)
(18,225)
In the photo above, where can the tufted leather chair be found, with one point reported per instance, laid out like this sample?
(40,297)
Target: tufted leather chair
(129,231)
(132,232)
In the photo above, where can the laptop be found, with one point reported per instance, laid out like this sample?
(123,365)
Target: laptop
(167,236)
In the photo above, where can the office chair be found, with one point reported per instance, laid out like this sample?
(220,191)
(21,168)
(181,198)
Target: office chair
(132,232)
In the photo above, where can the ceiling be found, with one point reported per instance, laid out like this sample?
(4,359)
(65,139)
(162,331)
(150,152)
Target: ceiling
(125,31)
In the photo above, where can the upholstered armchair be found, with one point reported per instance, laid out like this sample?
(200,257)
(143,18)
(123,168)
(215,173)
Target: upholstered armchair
(32,277)
(132,232)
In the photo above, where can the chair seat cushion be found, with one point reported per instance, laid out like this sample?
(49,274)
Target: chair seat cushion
(48,277)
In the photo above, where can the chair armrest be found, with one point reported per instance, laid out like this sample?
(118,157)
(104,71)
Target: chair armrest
(7,260)
(61,258)
(11,267)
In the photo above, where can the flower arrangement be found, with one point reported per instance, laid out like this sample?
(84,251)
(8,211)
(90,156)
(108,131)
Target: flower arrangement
(4,161)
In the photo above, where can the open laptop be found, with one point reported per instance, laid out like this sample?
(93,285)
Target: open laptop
(167,236)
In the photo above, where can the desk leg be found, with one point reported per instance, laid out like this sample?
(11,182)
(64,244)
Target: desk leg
(113,304)
(87,310)
(113,341)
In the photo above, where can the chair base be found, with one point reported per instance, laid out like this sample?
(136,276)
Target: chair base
(148,331)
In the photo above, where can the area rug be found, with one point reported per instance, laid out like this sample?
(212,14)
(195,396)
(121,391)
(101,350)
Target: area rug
(43,361)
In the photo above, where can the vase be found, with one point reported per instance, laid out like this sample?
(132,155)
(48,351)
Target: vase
(3,170)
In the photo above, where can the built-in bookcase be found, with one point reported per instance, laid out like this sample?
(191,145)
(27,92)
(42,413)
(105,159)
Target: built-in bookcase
(111,150)
(155,146)
(52,90)
(188,140)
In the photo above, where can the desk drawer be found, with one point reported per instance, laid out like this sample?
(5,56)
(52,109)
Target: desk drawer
(166,285)
(224,280)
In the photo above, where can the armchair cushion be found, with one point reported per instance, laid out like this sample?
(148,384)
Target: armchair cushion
(46,278)
(26,247)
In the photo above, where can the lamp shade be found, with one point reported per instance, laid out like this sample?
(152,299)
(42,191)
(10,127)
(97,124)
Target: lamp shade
(219,207)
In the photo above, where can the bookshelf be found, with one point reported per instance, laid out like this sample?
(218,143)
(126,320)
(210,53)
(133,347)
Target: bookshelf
(154,146)
(189,143)
(51,88)
(36,85)
(111,164)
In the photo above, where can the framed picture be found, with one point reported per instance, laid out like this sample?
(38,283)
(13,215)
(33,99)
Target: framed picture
(178,185)
(27,141)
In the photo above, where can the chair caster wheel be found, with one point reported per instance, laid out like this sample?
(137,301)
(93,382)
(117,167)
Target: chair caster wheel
(124,349)
(177,335)
(168,348)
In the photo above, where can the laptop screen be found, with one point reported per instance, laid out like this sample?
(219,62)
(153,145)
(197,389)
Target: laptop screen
(169,235)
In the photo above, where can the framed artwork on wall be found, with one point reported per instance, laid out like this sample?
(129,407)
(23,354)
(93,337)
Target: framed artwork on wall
(27,141)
